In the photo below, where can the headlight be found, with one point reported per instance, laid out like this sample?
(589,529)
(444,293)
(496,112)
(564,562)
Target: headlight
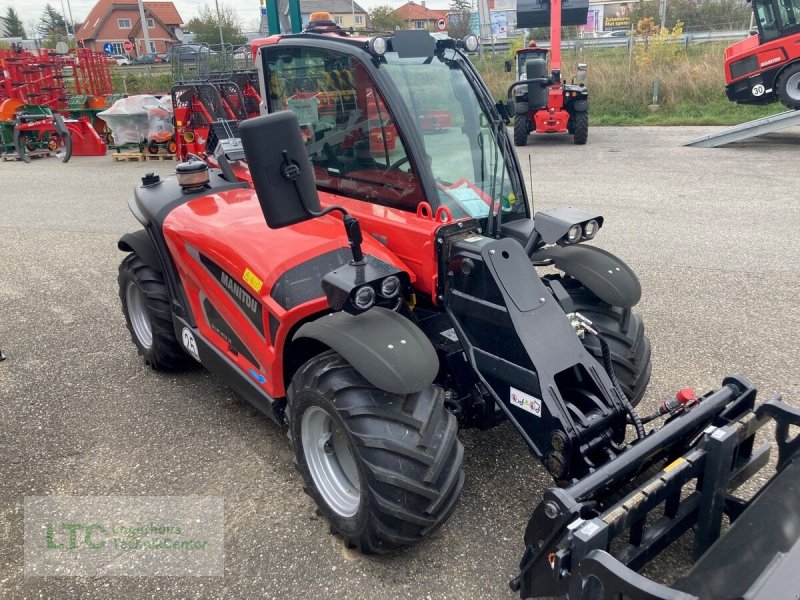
(390,287)
(377,46)
(574,233)
(364,297)
(471,43)
(590,229)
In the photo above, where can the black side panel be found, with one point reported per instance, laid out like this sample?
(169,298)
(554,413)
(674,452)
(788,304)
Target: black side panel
(220,325)
(244,299)
(232,376)
(302,283)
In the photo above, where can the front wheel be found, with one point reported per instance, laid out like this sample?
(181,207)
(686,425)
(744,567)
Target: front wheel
(580,127)
(384,469)
(788,87)
(520,130)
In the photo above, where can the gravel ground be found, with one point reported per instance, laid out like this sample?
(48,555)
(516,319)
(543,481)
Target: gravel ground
(712,234)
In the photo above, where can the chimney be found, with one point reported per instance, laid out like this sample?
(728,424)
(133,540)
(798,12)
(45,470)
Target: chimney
(423,3)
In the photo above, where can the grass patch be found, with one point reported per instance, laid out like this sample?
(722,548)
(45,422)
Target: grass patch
(692,85)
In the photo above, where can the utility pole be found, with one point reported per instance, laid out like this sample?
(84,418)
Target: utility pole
(219,24)
(143,22)
(72,22)
(662,11)
(66,23)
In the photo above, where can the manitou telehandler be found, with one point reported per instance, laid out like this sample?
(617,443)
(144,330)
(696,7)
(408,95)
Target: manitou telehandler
(370,282)
(540,100)
(765,68)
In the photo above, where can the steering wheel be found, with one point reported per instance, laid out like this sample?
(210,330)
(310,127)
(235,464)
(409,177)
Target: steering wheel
(395,166)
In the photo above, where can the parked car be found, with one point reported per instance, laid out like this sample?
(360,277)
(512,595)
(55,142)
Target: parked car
(191,52)
(618,34)
(120,59)
(147,59)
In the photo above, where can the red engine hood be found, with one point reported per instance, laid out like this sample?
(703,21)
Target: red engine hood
(745,46)
(230,228)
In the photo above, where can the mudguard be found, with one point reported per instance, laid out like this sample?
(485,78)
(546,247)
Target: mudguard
(580,105)
(604,274)
(140,243)
(390,351)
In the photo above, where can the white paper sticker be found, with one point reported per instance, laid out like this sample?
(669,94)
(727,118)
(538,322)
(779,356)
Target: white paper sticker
(190,344)
(526,402)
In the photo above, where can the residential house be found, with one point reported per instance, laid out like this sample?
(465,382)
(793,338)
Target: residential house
(419,16)
(115,21)
(347,14)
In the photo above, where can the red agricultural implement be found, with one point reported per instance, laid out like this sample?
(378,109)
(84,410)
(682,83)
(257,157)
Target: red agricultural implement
(205,110)
(34,86)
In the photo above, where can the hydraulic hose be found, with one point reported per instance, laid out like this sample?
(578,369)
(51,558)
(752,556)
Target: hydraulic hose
(609,367)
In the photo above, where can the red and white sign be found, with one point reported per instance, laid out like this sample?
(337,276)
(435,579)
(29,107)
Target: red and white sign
(441,24)
(127,46)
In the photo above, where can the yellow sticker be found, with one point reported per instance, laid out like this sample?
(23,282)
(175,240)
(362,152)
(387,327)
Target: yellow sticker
(251,279)
(674,464)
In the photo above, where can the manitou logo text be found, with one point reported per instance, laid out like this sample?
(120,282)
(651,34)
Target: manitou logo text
(239,292)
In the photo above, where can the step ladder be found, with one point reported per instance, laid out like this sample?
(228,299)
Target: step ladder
(745,131)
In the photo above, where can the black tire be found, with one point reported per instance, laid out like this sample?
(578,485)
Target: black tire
(788,87)
(162,352)
(520,130)
(623,330)
(405,449)
(580,127)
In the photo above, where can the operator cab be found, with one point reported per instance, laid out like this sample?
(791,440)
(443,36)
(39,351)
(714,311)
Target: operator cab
(776,18)
(401,121)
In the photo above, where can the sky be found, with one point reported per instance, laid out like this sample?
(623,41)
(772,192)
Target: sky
(31,10)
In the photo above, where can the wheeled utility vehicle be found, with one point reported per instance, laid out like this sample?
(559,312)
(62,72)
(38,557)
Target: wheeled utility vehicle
(392,297)
(540,100)
(765,68)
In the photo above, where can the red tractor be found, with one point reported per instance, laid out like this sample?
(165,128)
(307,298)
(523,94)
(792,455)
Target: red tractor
(765,68)
(541,101)
(373,296)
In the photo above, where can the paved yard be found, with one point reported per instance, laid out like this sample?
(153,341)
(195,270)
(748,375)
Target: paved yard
(712,233)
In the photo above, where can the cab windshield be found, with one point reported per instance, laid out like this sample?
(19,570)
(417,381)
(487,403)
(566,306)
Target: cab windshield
(466,150)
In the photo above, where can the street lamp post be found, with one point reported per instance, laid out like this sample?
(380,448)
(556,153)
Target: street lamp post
(143,22)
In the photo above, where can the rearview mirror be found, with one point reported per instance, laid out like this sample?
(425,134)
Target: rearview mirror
(507,66)
(282,174)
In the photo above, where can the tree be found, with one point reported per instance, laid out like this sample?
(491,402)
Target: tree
(460,24)
(51,26)
(384,18)
(12,24)
(205,26)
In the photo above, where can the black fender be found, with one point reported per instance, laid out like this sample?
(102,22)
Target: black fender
(581,105)
(607,276)
(140,243)
(389,350)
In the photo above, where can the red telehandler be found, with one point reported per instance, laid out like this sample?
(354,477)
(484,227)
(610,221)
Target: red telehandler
(542,102)
(375,297)
(765,68)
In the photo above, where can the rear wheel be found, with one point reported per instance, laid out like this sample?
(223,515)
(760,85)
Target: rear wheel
(788,87)
(520,130)
(580,127)
(153,147)
(623,330)
(384,469)
(145,304)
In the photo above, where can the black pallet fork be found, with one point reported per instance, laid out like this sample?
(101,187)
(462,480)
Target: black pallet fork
(584,541)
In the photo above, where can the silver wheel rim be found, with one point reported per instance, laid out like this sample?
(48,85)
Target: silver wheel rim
(793,87)
(140,322)
(330,461)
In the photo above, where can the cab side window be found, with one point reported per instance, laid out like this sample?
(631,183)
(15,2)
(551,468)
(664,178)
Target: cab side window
(349,135)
